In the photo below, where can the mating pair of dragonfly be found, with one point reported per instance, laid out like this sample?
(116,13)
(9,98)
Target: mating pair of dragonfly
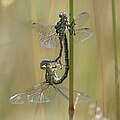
(49,37)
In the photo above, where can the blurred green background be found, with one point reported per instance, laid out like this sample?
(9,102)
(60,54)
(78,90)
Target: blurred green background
(20,54)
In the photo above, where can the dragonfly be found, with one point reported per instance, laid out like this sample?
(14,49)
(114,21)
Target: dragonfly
(46,91)
(51,35)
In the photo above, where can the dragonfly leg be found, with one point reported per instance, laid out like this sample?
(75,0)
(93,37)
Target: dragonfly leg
(72,31)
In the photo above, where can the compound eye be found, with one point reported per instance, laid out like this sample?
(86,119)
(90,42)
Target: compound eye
(60,15)
(43,64)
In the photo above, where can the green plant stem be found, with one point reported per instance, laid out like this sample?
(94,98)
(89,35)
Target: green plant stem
(116,61)
(71,75)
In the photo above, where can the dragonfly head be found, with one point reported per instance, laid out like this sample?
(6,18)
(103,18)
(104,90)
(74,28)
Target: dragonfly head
(43,64)
(62,15)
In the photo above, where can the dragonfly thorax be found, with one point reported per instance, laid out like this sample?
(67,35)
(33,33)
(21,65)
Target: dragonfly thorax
(62,25)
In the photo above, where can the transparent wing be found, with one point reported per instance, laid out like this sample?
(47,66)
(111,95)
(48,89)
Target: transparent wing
(78,96)
(65,92)
(50,41)
(43,30)
(81,19)
(83,34)
(18,98)
(40,93)
(48,36)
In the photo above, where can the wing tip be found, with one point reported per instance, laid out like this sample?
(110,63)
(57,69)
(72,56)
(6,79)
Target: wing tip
(16,99)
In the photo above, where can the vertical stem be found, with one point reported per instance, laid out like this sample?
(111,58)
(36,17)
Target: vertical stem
(115,60)
(71,98)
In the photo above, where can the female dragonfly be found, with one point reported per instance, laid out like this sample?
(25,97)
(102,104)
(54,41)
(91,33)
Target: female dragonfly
(45,92)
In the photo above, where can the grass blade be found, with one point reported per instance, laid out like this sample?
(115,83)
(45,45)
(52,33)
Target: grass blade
(71,75)
(115,60)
